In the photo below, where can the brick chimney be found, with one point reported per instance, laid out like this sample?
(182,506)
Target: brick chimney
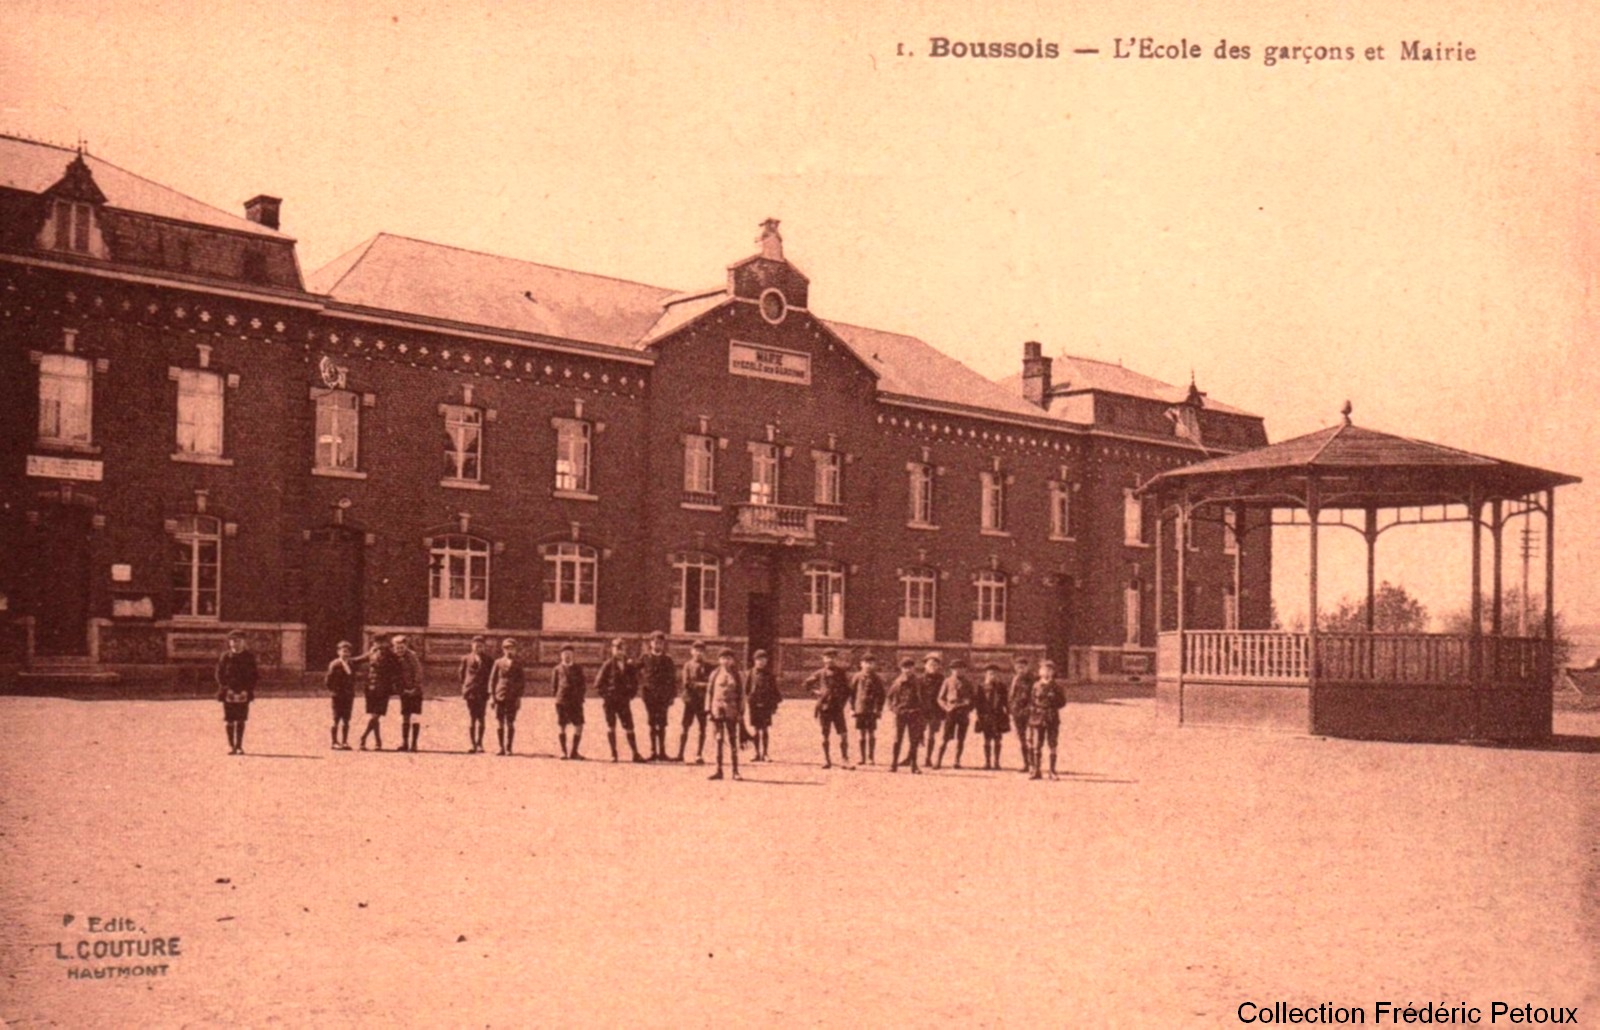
(1035,375)
(263,210)
(771,243)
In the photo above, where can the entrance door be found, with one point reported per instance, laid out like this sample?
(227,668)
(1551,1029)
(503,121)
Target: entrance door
(1062,624)
(335,556)
(57,579)
(761,623)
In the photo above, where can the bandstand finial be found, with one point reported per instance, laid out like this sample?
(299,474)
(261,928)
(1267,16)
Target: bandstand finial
(1345,411)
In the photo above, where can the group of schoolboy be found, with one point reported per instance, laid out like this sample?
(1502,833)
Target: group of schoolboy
(931,707)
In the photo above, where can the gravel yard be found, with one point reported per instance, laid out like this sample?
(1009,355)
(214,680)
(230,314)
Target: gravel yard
(1167,877)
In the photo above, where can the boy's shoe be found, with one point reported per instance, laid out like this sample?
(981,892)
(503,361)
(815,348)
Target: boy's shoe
(737,776)
(700,760)
(716,775)
(578,758)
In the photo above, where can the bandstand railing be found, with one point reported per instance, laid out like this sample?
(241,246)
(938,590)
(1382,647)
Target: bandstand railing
(1261,656)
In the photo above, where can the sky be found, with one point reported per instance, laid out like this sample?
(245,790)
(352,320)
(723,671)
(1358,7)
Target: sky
(1417,238)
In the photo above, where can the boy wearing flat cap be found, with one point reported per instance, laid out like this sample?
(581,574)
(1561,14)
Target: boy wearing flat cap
(568,685)
(617,683)
(905,701)
(831,687)
(658,684)
(725,694)
(866,702)
(763,696)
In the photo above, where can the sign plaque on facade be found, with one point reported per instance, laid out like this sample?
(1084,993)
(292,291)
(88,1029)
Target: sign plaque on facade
(786,366)
(50,467)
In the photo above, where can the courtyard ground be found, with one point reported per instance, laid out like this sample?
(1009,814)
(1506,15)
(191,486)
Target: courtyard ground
(1169,876)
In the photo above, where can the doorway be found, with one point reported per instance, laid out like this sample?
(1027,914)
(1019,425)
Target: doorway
(56,578)
(1063,624)
(334,611)
(761,626)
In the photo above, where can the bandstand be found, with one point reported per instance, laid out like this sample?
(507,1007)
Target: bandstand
(1483,684)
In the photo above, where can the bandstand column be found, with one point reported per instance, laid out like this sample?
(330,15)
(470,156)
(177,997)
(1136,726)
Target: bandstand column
(1475,632)
(1550,578)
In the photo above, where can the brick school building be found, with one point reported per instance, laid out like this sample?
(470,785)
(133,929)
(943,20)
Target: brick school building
(198,437)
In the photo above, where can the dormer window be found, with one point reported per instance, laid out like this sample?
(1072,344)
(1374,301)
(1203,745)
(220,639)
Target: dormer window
(73,228)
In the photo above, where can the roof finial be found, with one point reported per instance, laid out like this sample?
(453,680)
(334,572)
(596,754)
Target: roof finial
(1345,411)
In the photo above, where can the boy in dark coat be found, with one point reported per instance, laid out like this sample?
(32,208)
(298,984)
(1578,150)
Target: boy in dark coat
(411,686)
(383,682)
(1019,701)
(994,714)
(764,699)
(831,687)
(929,685)
(956,698)
(658,684)
(617,683)
(341,683)
(905,701)
(508,681)
(474,676)
(866,702)
(568,685)
(1045,716)
(237,676)
(695,674)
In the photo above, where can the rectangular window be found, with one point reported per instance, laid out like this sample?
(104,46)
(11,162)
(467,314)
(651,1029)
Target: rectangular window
(830,477)
(824,614)
(338,430)
(197,567)
(463,445)
(66,391)
(1187,522)
(989,614)
(1060,511)
(919,592)
(1131,608)
(699,467)
(199,412)
(1230,530)
(763,473)
(573,437)
(1135,518)
(993,501)
(694,595)
(73,223)
(922,494)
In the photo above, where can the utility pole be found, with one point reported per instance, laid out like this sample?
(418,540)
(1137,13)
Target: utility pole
(1530,547)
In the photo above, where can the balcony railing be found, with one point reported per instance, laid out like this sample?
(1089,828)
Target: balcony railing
(775,523)
(1250,656)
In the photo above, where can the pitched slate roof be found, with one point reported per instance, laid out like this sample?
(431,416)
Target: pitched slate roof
(1074,374)
(397,273)
(911,368)
(34,167)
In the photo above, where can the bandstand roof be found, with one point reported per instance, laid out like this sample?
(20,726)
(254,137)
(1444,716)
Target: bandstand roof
(1356,467)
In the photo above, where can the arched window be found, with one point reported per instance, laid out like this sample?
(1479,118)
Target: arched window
(989,614)
(694,593)
(824,614)
(458,581)
(571,572)
(919,593)
(197,567)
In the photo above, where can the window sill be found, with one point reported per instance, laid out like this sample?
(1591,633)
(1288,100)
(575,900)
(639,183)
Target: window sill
(202,459)
(1057,539)
(66,447)
(574,495)
(179,621)
(692,506)
(1137,543)
(339,473)
(463,484)
(928,526)
(993,532)
(828,517)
